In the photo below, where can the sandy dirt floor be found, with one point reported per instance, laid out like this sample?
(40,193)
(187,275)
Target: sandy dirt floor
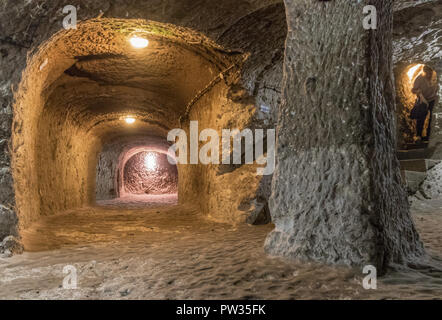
(128,249)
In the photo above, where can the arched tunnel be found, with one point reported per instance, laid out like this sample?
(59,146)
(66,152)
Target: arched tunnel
(94,117)
(93,94)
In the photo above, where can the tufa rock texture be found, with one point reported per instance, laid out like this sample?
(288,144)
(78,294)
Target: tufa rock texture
(10,246)
(337,193)
(8,222)
(150,172)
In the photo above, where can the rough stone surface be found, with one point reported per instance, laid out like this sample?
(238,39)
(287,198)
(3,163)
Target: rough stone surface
(414,181)
(337,192)
(219,192)
(10,246)
(258,212)
(63,95)
(262,34)
(8,222)
(432,185)
(159,177)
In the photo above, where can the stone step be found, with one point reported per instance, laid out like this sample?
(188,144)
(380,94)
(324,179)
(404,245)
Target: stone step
(413,180)
(414,172)
(419,165)
(413,154)
(417,145)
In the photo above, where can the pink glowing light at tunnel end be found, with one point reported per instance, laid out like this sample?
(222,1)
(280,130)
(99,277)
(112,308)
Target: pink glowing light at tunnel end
(130,153)
(150,161)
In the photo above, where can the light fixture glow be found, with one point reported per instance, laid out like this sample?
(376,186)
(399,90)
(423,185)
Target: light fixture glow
(150,161)
(139,43)
(415,71)
(130,120)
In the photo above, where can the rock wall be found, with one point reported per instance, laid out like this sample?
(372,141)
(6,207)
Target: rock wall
(220,191)
(107,173)
(262,35)
(432,185)
(149,172)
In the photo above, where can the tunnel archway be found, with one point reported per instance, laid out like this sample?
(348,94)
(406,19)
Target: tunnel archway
(149,172)
(112,158)
(145,171)
(77,91)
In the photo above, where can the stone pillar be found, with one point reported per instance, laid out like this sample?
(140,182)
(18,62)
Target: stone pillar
(8,216)
(337,194)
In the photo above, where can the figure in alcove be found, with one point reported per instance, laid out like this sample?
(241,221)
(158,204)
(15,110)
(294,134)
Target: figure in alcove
(425,88)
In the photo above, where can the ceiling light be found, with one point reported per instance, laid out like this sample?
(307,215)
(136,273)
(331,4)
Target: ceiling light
(130,120)
(139,43)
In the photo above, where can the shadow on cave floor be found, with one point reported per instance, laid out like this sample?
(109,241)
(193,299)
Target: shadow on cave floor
(173,252)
